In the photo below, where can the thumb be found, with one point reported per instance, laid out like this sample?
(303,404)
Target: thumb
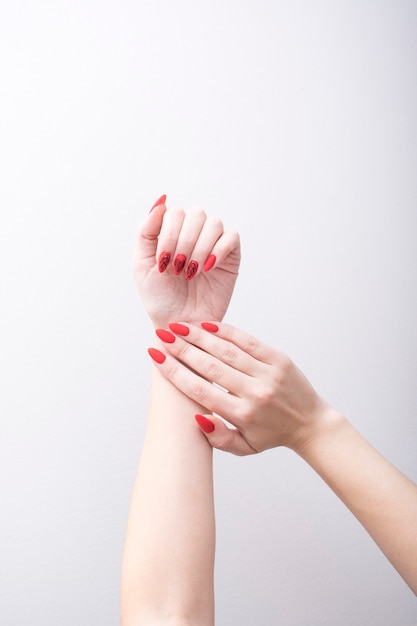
(223,438)
(147,237)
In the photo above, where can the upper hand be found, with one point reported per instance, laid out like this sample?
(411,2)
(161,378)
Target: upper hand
(264,395)
(173,254)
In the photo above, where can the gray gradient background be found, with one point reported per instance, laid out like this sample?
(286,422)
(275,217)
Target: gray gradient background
(296,123)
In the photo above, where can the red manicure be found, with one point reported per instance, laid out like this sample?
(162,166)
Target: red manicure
(157,356)
(212,328)
(160,200)
(164,260)
(191,270)
(165,335)
(209,263)
(204,423)
(180,329)
(179,263)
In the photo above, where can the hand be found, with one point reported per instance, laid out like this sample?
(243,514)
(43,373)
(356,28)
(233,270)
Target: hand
(269,401)
(185,265)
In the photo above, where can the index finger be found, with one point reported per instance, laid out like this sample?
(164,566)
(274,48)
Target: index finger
(235,348)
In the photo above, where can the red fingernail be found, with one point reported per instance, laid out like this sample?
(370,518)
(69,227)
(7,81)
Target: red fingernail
(179,263)
(179,329)
(156,355)
(209,263)
(191,270)
(160,200)
(165,335)
(212,328)
(164,260)
(204,423)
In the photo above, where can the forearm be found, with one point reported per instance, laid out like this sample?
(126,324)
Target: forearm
(167,573)
(377,493)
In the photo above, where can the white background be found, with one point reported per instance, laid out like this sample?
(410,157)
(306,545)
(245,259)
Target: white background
(296,123)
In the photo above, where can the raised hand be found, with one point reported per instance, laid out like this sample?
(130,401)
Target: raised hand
(185,265)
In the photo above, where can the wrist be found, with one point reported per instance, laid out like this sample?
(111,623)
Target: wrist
(319,429)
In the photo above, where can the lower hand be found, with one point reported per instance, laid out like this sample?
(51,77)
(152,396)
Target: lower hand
(269,401)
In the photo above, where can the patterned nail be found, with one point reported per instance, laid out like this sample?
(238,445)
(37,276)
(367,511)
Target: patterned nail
(156,355)
(191,270)
(164,260)
(204,423)
(179,263)
(179,329)
(160,200)
(209,263)
(165,335)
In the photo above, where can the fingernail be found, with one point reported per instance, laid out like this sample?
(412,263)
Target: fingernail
(160,200)
(204,423)
(191,270)
(212,328)
(156,355)
(164,260)
(165,335)
(179,263)
(179,329)
(209,263)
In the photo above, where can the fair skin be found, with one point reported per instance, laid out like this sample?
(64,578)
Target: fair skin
(168,561)
(269,402)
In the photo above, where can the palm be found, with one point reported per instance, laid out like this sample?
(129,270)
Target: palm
(169,298)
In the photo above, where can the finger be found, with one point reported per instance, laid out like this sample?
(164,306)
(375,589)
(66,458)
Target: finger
(168,237)
(210,232)
(148,232)
(249,344)
(215,358)
(206,365)
(227,246)
(195,387)
(223,438)
(190,231)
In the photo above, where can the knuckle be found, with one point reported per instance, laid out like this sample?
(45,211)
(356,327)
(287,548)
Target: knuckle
(229,355)
(198,392)
(175,213)
(224,440)
(172,369)
(253,344)
(216,223)
(198,213)
(183,351)
(283,370)
(263,394)
(214,371)
(246,414)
